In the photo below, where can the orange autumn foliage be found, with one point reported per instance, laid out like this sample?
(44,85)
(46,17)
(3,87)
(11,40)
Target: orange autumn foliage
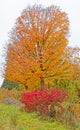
(37,50)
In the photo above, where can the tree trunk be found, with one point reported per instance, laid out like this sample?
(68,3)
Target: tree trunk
(52,111)
(42,84)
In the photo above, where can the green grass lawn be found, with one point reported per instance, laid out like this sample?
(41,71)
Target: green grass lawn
(11,118)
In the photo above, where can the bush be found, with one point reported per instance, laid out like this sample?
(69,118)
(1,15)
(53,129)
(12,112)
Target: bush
(5,93)
(70,116)
(44,101)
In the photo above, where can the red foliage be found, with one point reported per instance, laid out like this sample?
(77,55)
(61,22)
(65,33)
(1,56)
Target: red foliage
(36,99)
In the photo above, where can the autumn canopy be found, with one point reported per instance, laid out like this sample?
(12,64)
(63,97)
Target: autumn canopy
(37,51)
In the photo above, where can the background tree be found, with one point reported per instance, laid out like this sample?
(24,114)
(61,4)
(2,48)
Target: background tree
(9,84)
(72,86)
(37,51)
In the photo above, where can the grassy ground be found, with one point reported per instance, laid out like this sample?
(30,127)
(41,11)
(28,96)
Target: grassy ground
(11,118)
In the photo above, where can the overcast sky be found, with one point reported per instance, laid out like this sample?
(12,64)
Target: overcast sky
(11,9)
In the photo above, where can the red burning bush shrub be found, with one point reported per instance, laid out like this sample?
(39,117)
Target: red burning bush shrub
(43,100)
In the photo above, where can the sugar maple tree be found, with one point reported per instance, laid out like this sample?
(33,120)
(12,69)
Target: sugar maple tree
(36,53)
